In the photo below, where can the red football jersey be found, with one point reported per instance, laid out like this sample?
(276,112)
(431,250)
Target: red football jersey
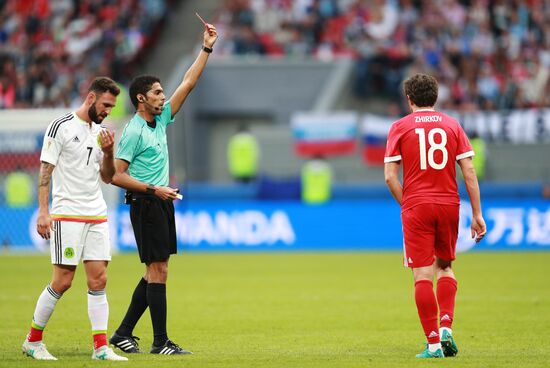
(428,143)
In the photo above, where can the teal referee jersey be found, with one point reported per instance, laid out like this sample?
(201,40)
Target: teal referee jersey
(145,148)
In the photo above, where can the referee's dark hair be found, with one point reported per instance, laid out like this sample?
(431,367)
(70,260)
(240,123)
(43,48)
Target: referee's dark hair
(140,86)
(421,89)
(101,85)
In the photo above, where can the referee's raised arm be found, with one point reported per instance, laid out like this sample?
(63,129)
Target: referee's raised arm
(195,70)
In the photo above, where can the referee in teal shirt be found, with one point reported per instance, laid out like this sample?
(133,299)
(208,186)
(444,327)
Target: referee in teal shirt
(142,169)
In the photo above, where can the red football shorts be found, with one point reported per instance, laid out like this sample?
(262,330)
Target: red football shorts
(429,230)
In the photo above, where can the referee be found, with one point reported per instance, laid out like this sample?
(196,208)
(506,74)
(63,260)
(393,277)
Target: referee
(142,169)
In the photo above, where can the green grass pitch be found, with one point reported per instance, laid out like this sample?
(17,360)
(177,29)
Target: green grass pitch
(294,310)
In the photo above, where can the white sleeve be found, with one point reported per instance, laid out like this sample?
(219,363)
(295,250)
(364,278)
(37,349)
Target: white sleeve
(52,145)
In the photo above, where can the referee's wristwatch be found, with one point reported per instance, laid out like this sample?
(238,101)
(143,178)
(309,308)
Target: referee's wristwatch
(207,49)
(150,189)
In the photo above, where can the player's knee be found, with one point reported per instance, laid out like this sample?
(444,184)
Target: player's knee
(157,272)
(423,273)
(420,277)
(98,283)
(160,275)
(62,285)
(446,268)
(443,265)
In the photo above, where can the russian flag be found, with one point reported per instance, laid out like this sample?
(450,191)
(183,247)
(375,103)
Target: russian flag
(374,132)
(324,133)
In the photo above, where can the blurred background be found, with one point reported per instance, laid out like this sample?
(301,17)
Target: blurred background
(280,146)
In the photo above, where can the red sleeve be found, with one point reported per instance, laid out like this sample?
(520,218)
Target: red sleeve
(393,152)
(464,148)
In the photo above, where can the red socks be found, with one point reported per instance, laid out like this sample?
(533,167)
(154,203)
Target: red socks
(35,335)
(446,292)
(427,309)
(100,340)
(427,305)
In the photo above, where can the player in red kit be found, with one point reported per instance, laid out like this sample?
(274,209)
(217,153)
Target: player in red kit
(427,143)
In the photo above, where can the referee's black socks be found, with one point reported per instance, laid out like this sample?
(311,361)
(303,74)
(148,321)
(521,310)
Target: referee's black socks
(137,306)
(156,298)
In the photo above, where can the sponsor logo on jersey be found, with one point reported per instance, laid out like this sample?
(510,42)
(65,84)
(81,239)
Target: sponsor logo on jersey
(75,139)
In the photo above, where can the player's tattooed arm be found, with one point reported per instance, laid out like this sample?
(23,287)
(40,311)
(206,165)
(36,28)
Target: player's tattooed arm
(45,175)
(44,220)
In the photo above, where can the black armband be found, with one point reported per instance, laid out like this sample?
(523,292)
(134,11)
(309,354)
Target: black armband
(206,49)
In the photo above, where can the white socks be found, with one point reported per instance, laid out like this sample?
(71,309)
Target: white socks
(44,307)
(433,347)
(98,310)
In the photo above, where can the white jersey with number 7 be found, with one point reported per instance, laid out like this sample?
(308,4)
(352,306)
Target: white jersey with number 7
(70,144)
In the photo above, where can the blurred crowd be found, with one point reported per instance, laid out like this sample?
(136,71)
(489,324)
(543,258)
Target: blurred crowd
(487,54)
(51,49)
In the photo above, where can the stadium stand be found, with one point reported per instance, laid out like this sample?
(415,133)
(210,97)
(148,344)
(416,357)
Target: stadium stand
(486,54)
(51,49)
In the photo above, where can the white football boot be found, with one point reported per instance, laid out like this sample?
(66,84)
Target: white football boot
(37,350)
(106,353)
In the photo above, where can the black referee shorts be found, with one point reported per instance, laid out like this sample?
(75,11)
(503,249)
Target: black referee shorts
(154,227)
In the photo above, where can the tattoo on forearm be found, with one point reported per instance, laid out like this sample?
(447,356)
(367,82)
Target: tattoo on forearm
(45,175)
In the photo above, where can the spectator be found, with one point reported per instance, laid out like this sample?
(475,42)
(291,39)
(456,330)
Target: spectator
(243,154)
(8,83)
(480,158)
(316,177)
(18,189)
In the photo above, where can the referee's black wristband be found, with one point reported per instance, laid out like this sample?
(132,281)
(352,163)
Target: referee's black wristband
(150,189)
(206,49)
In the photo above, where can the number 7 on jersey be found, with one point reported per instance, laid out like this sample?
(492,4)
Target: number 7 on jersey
(89,154)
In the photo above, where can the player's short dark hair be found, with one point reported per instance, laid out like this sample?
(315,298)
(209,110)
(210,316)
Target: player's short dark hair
(101,85)
(421,89)
(140,86)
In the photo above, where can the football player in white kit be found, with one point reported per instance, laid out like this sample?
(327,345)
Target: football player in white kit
(76,152)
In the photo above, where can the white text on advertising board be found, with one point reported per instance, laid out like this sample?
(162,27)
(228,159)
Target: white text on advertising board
(249,228)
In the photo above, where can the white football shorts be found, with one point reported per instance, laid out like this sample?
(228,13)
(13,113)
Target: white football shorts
(71,242)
